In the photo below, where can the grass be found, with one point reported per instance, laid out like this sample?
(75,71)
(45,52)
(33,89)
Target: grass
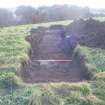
(14,49)
(94,57)
(102,19)
(94,60)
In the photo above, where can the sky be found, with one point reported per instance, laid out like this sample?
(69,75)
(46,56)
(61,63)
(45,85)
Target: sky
(37,3)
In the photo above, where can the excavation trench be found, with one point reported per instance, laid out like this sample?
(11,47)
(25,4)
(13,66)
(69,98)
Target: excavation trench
(48,62)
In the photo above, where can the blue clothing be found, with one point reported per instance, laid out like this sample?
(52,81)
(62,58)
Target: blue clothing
(68,44)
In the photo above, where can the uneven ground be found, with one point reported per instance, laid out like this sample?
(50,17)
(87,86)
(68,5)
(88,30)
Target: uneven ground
(13,50)
(90,32)
(48,48)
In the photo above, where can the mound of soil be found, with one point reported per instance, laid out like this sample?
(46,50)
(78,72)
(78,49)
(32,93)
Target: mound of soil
(89,32)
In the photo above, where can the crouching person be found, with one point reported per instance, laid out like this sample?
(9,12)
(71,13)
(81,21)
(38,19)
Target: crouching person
(68,44)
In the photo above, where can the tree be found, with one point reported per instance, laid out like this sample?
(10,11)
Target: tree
(6,17)
(25,14)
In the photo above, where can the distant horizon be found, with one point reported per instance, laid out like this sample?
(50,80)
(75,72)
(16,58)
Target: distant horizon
(97,4)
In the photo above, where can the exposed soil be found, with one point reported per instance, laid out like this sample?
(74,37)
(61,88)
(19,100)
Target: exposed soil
(90,32)
(45,45)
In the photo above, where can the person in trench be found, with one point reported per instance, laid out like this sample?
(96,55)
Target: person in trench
(68,44)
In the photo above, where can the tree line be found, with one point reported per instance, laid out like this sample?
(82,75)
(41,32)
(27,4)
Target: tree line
(30,15)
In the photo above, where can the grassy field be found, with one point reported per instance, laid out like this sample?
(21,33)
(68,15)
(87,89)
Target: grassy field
(94,56)
(100,18)
(14,49)
(94,60)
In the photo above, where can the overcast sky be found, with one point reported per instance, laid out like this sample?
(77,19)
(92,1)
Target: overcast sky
(37,3)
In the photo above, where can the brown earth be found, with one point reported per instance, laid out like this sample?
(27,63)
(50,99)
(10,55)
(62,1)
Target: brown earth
(90,32)
(45,46)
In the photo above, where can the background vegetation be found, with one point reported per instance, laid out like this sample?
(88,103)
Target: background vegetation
(30,15)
